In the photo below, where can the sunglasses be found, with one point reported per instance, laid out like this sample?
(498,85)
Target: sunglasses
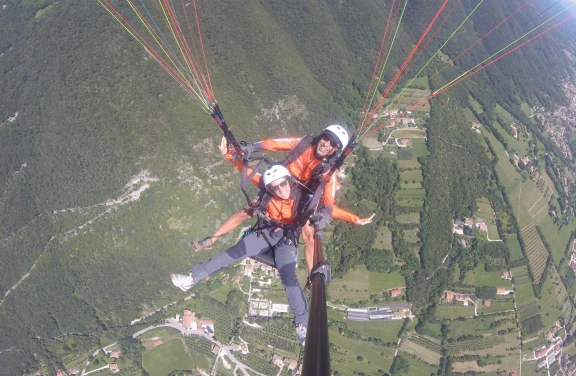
(333,143)
(276,188)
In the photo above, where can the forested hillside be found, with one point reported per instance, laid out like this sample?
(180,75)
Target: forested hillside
(87,118)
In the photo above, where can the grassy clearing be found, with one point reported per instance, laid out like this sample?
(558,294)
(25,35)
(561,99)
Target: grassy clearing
(408,218)
(386,330)
(419,148)
(514,248)
(221,294)
(411,236)
(535,251)
(480,277)
(381,281)
(405,164)
(477,106)
(553,295)
(353,287)
(411,193)
(454,311)
(168,357)
(409,133)
(433,330)
(383,239)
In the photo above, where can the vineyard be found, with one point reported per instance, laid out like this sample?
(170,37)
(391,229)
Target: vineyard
(224,319)
(536,252)
(472,345)
(199,345)
(422,348)
(527,310)
(258,364)
(521,276)
(276,333)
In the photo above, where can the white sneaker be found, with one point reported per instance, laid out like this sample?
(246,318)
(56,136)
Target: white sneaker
(301,334)
(183,282)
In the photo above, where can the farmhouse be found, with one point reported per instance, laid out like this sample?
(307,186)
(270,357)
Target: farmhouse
(469,222)
(487,303)
(114,368)
(215,348)
(502,291)
(277,359)
(514,131)
(506,275)
(448,295)
(482,226)
(395,292)
(540,352)
(234,347)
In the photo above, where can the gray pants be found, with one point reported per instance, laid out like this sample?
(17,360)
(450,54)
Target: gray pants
(285,257)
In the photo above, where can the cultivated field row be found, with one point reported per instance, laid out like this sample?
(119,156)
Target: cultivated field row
(536,252)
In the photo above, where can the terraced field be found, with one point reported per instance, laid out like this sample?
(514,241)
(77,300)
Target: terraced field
(536,252)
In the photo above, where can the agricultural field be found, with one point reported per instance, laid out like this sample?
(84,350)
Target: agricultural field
(168,357)
(454,311)
(432,330)
(386,330)
(472,326)
(409,133)
(352,287)
(486,346)
(557,239)
(536,252)
(408,218)
(221,294)
(418,367)
(500,304)
(514,248)
(480,277)
(380,281)
(486,212)
(419,148)
(411,179)
(348,355)
(524,195)
(410,96)
(553,295)
(527,310)
(383,239)
(423,348)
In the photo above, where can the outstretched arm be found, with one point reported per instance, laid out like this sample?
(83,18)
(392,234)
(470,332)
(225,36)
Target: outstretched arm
(337,212)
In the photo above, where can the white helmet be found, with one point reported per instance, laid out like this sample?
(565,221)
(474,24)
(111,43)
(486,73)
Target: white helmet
(340,134)
(274,173)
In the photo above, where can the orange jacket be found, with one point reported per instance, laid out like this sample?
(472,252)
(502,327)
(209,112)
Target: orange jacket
(277,209)
(302,169)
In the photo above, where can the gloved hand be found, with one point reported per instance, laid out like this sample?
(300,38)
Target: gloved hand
(247,149)
(320,219)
